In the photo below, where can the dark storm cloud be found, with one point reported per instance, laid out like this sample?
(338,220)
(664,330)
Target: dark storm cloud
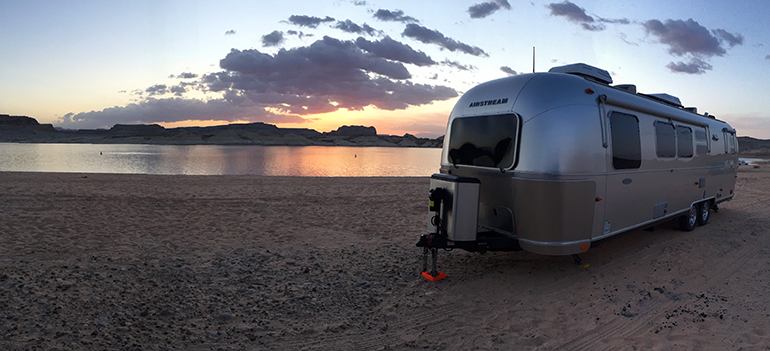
(273,39)
(308,21)
(230,32)
(173,110)
(396,51)
(351,27)
(457,65)
(394,16)
(508,71)
(695,66)
(575,14)
(429,36)
(327,75)
(485,9)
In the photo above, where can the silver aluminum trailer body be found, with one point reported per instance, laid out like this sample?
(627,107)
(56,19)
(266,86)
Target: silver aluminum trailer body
(563,160)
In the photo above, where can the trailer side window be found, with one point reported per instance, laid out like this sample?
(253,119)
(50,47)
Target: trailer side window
(701,141)
(665,139)
(683,141)
(626,141)
(729,143)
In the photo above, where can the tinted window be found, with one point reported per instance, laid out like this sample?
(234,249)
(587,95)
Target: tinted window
(683,141)
(485,141)
(665,139)
(626,143)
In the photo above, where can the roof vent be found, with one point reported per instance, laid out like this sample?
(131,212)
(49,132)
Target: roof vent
(691,109)
(666,98)
(585,71)
(627,87)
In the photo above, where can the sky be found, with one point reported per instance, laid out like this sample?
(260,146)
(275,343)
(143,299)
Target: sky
(397,65)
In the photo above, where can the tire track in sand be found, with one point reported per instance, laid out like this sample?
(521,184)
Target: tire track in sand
(625,328)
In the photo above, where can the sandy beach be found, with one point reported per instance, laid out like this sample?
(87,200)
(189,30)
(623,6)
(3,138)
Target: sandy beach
(130,262)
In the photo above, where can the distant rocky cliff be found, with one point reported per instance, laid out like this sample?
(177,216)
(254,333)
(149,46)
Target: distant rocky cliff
(26,129)
(19,128)
(749,146)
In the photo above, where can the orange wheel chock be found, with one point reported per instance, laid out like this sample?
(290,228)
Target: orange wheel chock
(438,277)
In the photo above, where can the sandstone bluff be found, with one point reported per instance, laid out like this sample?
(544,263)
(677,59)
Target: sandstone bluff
(22,129)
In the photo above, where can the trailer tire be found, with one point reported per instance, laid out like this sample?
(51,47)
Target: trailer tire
(689,220)
(704,211)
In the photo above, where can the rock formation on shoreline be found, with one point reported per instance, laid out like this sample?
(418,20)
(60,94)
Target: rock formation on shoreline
(22,129)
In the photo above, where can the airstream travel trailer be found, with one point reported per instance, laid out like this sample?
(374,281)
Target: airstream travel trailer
(552,162)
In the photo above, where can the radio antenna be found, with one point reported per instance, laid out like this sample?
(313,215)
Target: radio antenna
(533,59)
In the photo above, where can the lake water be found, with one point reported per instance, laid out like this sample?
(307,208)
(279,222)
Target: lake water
(306,161)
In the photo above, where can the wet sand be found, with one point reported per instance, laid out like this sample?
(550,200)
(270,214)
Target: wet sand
(98,261)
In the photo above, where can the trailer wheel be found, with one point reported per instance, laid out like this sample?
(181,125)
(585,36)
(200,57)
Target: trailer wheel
(688,221)
(705,211)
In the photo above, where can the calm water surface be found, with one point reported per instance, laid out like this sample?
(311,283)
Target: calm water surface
(307,161)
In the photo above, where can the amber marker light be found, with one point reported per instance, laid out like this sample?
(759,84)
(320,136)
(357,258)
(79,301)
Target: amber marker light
(584,247)
(589,91)
(599,199)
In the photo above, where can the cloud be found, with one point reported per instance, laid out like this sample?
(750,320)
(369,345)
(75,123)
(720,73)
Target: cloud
(457,65)
(184,75)
(177,90)
(173,110)
(273,39)
(328,75)
(230,32)
(350,27)
(685,37)
(695,66)
(729,38)
(299,34)
(508,71)
(394,16)
(485,9)
(614,21)
(359,2)
(574,14)
(308,21)
(157,89)
(767,57)
(396,51)
(429,36)
(689,38)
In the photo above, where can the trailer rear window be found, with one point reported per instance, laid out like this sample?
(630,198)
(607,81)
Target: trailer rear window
(484,141)
(626,142)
